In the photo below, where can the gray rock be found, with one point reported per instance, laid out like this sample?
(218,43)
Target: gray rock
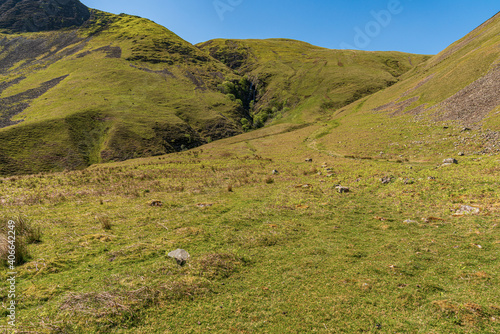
(409,221)
(450,161)
(180,255)
(342,189)
(408,181)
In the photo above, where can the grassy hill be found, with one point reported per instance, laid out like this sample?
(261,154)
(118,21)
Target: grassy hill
(301,82)
(121,87)
(118,87)
(432,108)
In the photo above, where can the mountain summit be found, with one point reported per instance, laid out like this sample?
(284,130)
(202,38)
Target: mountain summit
(41,15)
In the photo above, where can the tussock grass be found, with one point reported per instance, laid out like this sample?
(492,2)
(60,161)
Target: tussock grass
(25,234)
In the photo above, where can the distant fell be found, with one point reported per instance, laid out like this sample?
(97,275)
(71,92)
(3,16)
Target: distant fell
(301,82)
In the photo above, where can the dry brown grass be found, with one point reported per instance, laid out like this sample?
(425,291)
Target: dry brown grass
(216,265)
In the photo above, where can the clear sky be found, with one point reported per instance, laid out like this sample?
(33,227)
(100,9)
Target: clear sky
(417,26)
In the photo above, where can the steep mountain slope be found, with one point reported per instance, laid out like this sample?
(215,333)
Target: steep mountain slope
(116,88)
(425,113)
(305,79)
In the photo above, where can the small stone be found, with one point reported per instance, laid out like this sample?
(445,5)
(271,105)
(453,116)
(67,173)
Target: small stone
(342,189)
(180,255)
(450,161)
(408,181)
(467,210)
(409,221)
(386,180)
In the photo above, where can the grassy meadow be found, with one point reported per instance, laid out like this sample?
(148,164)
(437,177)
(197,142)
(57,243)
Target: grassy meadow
(270,253)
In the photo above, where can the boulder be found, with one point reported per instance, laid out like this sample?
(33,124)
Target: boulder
(180,255)
(467,210)
(450,161)
(342,189)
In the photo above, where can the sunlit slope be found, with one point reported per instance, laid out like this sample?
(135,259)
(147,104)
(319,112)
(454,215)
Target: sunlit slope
(119,87)
(427,112)
(300,81)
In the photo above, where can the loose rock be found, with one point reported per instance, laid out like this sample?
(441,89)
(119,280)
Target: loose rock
(450,161)
(467,210)
(342,189)
(386,180)
(180,255)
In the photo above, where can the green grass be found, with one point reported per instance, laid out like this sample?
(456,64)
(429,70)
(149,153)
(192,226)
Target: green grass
(266,257)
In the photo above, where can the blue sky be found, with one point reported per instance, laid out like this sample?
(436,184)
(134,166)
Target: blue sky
(417,26)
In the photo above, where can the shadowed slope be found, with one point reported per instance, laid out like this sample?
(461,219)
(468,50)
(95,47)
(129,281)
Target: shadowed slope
(41,15)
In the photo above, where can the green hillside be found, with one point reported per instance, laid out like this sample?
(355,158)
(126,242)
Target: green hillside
(118,87)
(429,109)
(122,87)
(301,82)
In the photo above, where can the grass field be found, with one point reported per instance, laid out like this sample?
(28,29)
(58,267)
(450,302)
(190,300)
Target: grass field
(269,253)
